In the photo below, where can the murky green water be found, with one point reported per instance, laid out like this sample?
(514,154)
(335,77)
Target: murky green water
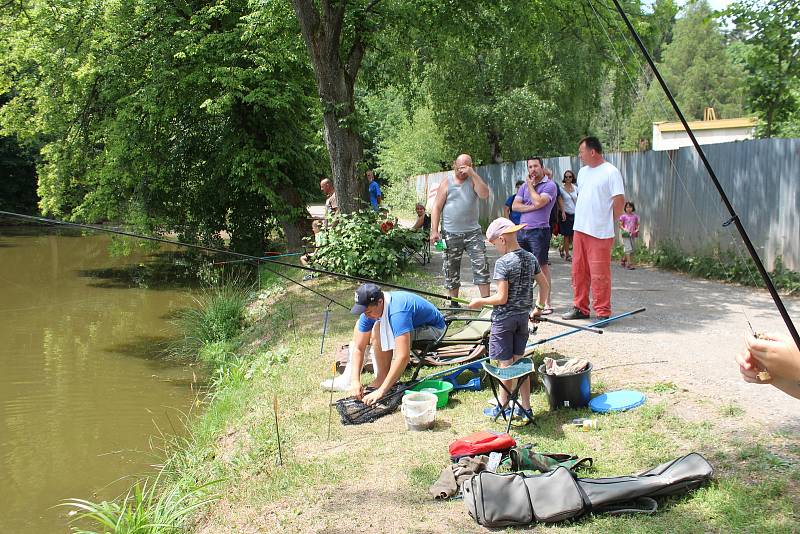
(81,392)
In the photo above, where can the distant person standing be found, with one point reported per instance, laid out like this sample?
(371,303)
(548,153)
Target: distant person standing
(566,204)
(375,195)
(331,205)
(599,206)
(629,229)
(508,211)
(535,200)
(456,205)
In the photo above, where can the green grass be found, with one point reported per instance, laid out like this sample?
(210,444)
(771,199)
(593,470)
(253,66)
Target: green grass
(715,265)
(731,410)
(217,317)
(149,507)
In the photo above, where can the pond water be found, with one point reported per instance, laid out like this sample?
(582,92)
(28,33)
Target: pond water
(83,389)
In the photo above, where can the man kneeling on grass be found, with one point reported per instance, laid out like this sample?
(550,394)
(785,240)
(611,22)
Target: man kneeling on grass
(514,273)
(394,320)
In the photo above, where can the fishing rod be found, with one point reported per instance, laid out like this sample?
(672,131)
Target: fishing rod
(259,259)
(734,216)
(245,257)
(94,228)
(536,320)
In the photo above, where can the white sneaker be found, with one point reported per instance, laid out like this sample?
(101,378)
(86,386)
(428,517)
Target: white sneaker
(340,383)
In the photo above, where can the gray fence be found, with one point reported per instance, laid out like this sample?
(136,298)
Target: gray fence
(677,202)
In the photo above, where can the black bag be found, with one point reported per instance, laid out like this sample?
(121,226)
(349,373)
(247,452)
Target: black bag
(500,500)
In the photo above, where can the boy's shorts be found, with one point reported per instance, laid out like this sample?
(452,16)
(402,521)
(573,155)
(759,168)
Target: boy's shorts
(509,337)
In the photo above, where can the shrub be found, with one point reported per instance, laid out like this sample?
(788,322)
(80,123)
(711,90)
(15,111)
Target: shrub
(217,317)
(355,244)
(151,506)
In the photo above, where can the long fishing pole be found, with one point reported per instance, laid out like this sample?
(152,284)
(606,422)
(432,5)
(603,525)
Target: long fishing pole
(734,216)
(245,257)
(265,259)
(94,228)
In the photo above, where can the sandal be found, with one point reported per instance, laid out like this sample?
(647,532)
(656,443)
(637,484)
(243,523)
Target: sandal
(561,253)
(568,258)
(630,267)
(547,311)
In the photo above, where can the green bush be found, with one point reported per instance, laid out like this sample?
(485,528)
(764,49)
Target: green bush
(400,196)
(355,244)
(151,506)
(716,265)
(217,317)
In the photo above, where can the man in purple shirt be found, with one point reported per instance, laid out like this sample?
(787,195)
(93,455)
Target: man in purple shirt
(534,200)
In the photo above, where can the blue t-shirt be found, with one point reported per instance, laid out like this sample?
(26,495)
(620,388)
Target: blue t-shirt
(513,215)
(407,311)
(374,193)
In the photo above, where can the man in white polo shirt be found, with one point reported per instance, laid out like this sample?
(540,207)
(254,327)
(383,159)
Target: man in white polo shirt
(599,205)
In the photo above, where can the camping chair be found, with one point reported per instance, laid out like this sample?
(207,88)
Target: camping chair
(454,347)
(422,255)
(521,370)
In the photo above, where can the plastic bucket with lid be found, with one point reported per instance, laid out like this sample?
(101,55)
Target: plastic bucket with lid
(419,410)
(567,391)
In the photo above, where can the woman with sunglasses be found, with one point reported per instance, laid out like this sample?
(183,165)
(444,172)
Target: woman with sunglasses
(566,204)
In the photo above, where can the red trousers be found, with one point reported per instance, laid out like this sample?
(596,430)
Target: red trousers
(591,268)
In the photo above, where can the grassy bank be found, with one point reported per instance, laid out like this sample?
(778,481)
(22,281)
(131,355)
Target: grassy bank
(726,267)
(714,265)
(374,477)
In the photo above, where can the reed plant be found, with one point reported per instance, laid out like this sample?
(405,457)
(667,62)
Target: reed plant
(217,316)
(151,506)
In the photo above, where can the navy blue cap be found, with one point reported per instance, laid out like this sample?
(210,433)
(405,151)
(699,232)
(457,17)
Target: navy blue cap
(366,295)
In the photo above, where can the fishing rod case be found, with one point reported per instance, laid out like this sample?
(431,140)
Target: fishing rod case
(513,499)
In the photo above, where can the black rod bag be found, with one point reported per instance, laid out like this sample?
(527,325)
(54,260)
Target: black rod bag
(513,499)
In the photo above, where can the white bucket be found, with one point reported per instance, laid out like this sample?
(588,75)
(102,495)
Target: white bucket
(419,409)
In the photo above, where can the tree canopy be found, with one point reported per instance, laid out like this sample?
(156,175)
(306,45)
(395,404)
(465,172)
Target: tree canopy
(222,115)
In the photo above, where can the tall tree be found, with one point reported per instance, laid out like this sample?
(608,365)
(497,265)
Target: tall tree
(698,69)
(168,115)
(770,31)
(336,47)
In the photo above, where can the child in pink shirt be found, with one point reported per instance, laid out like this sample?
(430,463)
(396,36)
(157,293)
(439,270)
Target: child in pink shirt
(629,226)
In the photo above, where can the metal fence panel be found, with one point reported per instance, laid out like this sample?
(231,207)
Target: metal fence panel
(678,203)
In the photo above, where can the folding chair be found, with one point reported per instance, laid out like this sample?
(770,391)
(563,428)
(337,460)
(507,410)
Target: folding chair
(423,255)
(452,348)
(521,370)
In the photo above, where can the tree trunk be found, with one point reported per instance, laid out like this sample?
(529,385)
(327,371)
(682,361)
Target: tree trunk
(493,137)
(335,79)
(295,228)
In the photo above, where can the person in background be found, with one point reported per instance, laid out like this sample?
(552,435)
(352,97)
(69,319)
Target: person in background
(456,204)
(375,195)
(423,221)
(599,206)
(771,359)
(629,228)
(387,222)
(331,204)
(316,227)
(508,211)
(535,200)
(566,205)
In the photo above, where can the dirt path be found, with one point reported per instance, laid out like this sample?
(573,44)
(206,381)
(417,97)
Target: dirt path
(694,325)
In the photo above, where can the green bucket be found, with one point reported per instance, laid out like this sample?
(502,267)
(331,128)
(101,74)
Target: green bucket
(440,388)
